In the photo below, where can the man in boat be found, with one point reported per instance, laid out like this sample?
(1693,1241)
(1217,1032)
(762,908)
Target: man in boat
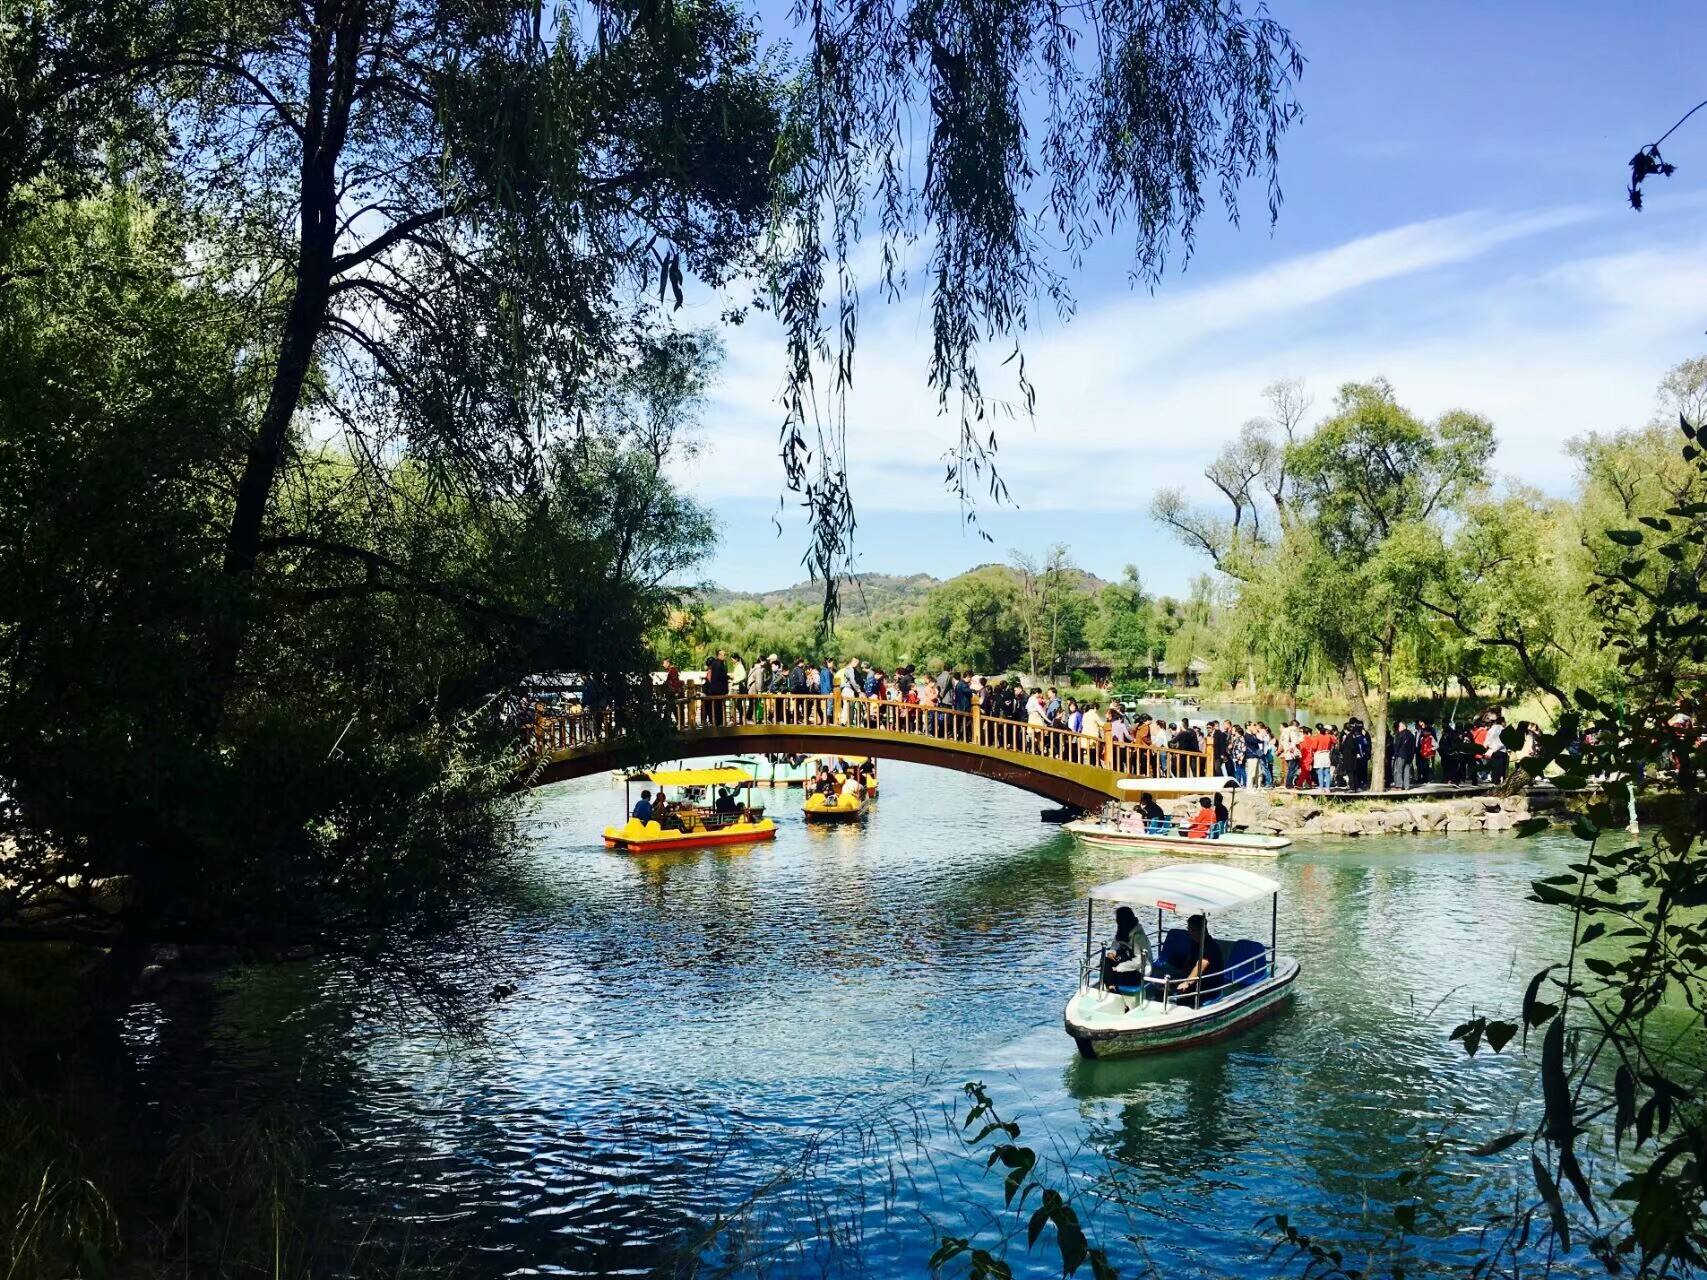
(1155,819)
(726,802)
(643,807)
(1202,820)
(1221,815)
(1204,973)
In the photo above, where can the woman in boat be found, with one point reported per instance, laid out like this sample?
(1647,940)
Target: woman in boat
(1128,942)
(1202,820)
(666,816)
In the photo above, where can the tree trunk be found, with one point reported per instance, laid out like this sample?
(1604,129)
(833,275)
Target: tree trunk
(331,79)
(1356,692)
(1378,723)
(296,354)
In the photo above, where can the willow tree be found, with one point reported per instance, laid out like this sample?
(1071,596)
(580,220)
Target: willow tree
(442,241)
(1373,482)
(996,143)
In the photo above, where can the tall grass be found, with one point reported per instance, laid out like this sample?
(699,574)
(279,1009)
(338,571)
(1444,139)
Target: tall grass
(231,1198)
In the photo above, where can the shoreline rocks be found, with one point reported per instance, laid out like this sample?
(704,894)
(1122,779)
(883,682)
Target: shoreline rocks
(1289,813)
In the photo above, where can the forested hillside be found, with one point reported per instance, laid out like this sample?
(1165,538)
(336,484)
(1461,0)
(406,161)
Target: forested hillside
(1368,556)
(1029,614)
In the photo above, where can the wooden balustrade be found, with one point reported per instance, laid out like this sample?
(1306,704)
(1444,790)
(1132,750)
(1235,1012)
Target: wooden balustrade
(697,712)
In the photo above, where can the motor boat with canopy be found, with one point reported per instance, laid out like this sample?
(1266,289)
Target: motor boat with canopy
(1123,825)
(695,818)
(1147,1003)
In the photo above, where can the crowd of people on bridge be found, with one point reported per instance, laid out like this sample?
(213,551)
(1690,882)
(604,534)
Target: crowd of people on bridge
(1296,755)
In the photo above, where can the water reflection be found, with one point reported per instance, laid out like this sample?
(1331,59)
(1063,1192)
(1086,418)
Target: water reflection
(692,1023)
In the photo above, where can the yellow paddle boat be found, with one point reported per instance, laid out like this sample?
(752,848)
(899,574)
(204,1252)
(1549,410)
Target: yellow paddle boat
(689,822)
(844,806)
(862,767)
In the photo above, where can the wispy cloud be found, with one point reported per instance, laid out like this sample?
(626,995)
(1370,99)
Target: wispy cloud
(1531,318)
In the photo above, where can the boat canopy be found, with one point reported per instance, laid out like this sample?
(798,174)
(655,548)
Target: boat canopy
(1175,786)
(1188,887)
(723,776)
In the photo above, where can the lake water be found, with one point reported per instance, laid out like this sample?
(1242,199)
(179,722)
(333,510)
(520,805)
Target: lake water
(750,1057)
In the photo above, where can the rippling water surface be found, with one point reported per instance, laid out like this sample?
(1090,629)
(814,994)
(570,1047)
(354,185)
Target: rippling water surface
(750,1055)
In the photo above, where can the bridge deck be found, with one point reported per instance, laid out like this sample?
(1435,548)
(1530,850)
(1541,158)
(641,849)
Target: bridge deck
(1063,766)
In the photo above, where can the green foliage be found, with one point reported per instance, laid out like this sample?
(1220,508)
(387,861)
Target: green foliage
(1374,555)
(972,622)
(1019,1184)
(1372,468)
(348,786)
(1032,125)
(1612,1160)
(1123,627)
(1374,482)
(979,621)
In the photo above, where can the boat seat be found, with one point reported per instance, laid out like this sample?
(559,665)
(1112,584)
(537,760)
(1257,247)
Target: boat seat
(1128,977)
(1176,954)
(1246,949)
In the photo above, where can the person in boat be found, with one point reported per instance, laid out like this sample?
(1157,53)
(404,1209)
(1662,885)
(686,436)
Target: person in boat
(1203,975)
(662,814)
(851,789)
(1202,820)
(643,807)
(726,802)
(1128,945)
(825,783)
(1221,814)
(1155,819)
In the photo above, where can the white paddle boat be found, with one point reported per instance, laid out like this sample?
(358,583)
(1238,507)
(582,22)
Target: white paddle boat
(1135,999)
(1123,825)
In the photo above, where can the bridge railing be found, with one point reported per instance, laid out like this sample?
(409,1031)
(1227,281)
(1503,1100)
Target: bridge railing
(697,712)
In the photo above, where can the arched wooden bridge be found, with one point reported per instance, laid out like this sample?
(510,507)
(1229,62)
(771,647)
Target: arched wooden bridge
(1063,766)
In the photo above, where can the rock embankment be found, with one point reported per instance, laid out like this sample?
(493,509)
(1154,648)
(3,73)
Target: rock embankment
(1284,813)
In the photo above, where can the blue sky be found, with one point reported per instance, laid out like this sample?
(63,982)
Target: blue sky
(1454,219)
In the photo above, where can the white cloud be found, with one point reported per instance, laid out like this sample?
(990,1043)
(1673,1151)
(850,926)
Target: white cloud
(1544,321)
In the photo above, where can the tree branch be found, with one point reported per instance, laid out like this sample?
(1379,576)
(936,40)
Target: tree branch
(393,235)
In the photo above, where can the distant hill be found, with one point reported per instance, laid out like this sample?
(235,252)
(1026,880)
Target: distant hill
(869,594)
(862,595)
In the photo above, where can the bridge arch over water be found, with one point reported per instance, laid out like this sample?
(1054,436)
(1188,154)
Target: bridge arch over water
(1065,767)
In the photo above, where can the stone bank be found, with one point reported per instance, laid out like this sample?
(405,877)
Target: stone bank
(1303,813)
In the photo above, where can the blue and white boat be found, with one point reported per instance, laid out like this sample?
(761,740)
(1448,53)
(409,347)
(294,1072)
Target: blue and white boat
(1121,825)
(1140,1005)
